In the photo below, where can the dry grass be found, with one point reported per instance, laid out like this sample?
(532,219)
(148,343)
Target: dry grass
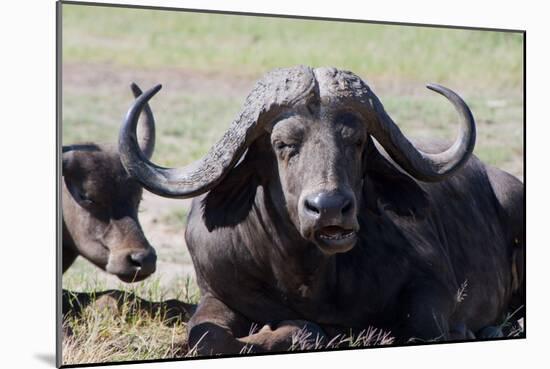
(99,336)
(118,325)
(103,331)
(304,341)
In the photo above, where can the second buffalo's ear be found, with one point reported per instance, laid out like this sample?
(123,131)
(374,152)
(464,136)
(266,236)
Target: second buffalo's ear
(67,158)
(229,202)
(73,157)
(387,188)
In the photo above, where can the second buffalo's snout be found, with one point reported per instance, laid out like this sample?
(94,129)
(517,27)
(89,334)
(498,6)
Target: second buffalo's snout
(132,266)
(131,257)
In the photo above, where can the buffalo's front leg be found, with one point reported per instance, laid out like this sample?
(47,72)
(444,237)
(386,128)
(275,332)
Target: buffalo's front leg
(215,329)
(426,314)
(285,335)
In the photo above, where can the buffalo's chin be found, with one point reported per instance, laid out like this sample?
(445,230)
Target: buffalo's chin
(130,278)
(334,240)
(130,274)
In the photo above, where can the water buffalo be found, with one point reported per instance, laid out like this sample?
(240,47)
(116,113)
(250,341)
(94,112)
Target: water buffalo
(100,204)
(315,212)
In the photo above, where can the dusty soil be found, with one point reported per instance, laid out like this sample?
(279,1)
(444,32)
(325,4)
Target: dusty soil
(90,76)
(168,239)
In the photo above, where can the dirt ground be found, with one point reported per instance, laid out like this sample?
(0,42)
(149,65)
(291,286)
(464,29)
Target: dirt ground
(168,239)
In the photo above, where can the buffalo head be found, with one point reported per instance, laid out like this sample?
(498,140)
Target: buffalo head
(100,204)
(312,132)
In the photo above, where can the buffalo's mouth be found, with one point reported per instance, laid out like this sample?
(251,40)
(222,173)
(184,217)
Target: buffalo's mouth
(133,277)
(137,273)
(334,239)
(335,233)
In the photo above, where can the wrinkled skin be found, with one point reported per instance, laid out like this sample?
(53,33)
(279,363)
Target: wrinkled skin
(333,138)
(100,222)
(318,229)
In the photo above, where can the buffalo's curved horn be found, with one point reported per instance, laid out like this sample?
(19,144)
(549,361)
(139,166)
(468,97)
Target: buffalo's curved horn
(278,89)
(428,167)
(147,139)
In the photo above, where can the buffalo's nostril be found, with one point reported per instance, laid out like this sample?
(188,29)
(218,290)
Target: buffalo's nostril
(136,259)
(331,206)
(347,207)
(310,207)
(145,260)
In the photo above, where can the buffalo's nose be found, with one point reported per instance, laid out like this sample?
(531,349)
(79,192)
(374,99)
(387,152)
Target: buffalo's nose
(328,205)
(144,260)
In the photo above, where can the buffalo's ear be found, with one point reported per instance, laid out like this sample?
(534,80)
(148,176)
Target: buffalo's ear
(67,158)
(228,203)
(386,188)
(72,157)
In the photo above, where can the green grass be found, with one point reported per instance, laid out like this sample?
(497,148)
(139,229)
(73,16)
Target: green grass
(187,126)
(215,43)
(499,130)
(176,218)
(85,277)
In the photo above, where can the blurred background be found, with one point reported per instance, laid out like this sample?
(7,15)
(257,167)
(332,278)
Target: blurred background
(208,63)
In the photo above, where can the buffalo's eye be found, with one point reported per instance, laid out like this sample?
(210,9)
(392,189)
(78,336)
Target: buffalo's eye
(351,129)
(286,151)
(85,198)
(280,145)
(348,119)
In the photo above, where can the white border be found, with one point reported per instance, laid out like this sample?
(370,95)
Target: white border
(27,194)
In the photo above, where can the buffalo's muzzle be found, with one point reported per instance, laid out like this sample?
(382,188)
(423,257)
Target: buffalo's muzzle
(329,208)
(330,218)
(132,266)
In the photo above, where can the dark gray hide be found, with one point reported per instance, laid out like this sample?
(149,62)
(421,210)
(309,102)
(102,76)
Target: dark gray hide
(318,227)
(100,204)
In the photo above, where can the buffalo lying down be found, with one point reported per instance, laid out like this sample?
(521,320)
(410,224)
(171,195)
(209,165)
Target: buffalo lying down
(302,220)
(100,203)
